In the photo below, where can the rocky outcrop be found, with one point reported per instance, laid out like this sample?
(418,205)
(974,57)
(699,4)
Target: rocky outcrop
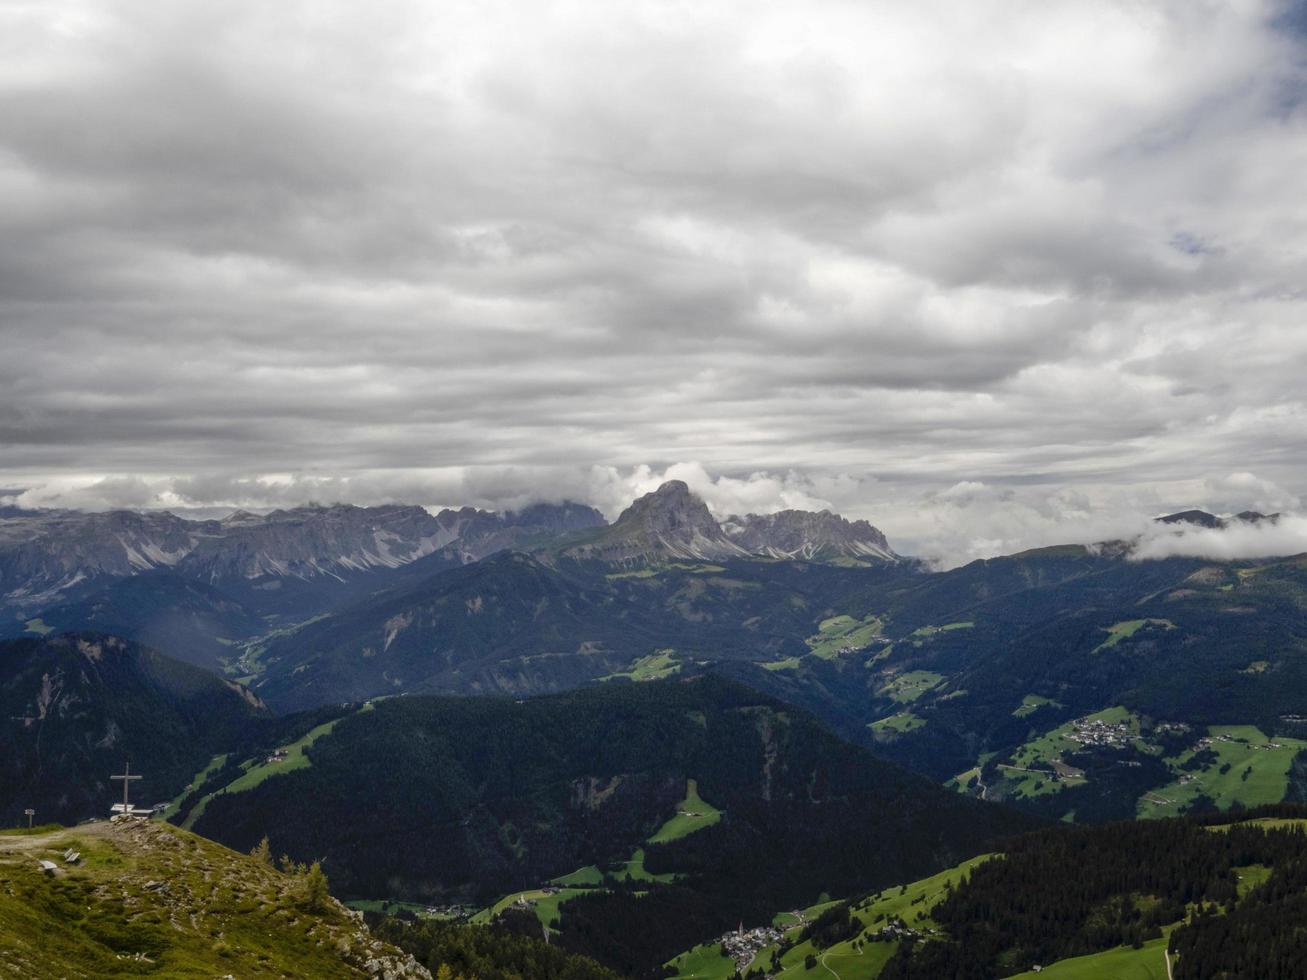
(47,556)
(673,523)
(1200,518)
(819,536)
(670,523)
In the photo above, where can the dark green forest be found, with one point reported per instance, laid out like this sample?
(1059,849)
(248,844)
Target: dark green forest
(495,952)
(75,708)
(1066,892)
(479,797)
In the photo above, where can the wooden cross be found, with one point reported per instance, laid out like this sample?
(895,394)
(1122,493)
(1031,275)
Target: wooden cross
(29,813)
(127,778)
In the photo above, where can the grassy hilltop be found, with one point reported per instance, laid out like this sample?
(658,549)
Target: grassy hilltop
(148,899)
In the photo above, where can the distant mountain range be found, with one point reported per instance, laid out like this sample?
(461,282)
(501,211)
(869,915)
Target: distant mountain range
(204,591)
(316,553)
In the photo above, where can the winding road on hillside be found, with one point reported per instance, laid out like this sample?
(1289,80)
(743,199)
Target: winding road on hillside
(829,969)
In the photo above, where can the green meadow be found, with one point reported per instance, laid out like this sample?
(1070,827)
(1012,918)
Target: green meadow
(843,631)
(1122,963)
(856,959)
(897,724)
(1124,630)
(692,814)
(1249,768)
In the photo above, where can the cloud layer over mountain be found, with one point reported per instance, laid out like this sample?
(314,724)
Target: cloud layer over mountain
(969,270)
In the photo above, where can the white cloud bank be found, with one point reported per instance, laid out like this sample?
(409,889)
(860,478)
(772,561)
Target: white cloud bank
(1287,536)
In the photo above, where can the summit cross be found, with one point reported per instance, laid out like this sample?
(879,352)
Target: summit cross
(127,778)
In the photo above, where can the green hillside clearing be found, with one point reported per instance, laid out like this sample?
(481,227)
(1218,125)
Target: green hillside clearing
(1123,963)
(662,663)
(843,632)
(257,771)
(897,724)
(906,688)
(216,763)
(692,814)
(1128,628)
(588,876)
(1032,703)
(1249,768)
(859,958)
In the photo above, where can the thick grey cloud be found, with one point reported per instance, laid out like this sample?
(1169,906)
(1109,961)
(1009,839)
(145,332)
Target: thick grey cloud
(856,254)
(1288,536)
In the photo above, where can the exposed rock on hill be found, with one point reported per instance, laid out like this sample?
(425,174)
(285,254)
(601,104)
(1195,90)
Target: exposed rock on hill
(671,522)
(47,557)
(810,536)
(1200,518)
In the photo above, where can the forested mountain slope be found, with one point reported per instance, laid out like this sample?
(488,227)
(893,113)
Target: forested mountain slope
(442,798)
(75,708)
(1188,898)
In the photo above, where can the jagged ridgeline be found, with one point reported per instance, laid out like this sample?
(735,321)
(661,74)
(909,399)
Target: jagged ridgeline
(441,799)
(293,600)
(200,590)
(74,707)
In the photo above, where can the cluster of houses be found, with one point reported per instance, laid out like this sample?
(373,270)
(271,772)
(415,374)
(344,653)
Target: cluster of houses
(448,911)
(525,901)
(896,928)
(1206,742)
(279,756)
(743,945)
(1066,772)
(1162,727)
(876,641)
(1094,731)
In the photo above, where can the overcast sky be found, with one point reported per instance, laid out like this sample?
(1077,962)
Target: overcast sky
(990,274)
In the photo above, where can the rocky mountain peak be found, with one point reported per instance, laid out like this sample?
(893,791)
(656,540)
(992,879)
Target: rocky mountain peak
(671,509)
(566,516)
(670,522)
(1200,518)
(673,522)
(810,535)
(1256,517)
(1196,518)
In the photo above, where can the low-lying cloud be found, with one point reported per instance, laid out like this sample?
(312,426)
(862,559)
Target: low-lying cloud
(1238,540)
